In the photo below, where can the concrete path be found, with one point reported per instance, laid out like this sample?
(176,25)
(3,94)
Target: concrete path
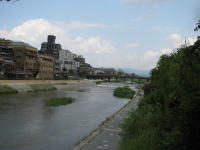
(107,137)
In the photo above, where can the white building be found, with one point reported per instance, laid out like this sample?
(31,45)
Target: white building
(66,59)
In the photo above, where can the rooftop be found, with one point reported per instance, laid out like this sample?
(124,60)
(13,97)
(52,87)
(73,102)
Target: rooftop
(18,43)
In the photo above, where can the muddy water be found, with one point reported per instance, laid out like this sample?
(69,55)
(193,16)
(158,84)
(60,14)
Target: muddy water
(27,124)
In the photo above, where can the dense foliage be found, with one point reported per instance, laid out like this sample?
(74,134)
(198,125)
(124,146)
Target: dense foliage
(168,117)
(124,92)
(59,101)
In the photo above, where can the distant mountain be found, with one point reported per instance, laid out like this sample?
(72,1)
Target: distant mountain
(144,73)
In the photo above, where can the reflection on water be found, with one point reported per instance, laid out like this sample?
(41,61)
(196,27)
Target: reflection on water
(27,124)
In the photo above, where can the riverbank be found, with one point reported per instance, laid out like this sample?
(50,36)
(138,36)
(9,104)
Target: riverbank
(106,136)
(26,85)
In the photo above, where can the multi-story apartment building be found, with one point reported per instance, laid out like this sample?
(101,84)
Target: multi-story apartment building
(7,66)
(20,60)
(50,48)
(25,58)
(67,61)
(46,67)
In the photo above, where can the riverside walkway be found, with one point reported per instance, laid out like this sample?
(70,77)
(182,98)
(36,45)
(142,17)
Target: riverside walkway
(107,137)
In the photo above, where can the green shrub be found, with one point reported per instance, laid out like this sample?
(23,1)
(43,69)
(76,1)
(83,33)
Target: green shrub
(168,117)
(59,101)
(146,139)
(5,89)
(124,92)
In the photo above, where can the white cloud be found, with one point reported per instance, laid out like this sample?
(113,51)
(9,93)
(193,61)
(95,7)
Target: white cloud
(175,37)
(32,31)
(132,45)
(93,45)
(97,51)
(178,40)
(35,32)
(154,55)
(151,57)
(74,25)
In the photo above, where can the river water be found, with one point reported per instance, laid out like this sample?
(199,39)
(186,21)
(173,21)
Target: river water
(27,124)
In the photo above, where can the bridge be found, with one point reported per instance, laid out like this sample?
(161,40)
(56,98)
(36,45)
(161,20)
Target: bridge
(109,77)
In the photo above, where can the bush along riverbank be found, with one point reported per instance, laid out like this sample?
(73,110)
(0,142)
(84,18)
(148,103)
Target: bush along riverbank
(5,89)
(124,92)
(59,101)
(168,117)
(42,87)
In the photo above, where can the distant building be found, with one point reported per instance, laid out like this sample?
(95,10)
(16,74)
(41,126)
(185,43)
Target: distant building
(25,58)
(97,71)
(67,61)
(46,67)
(84,68)
(80,59)
(105,71)
(110,71)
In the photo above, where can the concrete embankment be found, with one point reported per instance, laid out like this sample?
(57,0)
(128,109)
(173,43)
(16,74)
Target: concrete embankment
(25,85)
(106,136)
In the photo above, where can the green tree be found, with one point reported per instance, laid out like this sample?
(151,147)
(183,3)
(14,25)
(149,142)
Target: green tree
(198,26)
(168,117)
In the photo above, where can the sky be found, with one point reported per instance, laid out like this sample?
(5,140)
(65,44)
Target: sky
(108,33)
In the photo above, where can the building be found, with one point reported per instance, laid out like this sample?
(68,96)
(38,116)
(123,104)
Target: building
(80,59)
(67,61)
(84,68)
(97,71)
(7,66)
(110,71)
(50,48)
(104,71)
(19,60)
(46,67)
(25,59)
(4,42)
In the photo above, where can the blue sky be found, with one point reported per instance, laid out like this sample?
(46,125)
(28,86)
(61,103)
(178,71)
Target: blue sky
(109,33)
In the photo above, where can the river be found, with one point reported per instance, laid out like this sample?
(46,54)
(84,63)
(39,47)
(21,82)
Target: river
(27,124)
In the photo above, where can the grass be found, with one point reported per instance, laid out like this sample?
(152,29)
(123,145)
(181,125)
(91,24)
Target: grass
(124,92)
(145,140)
(42,87)
(5,89)
(59,101)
